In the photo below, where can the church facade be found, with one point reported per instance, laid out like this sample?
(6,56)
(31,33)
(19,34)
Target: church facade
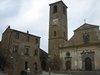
(81,51)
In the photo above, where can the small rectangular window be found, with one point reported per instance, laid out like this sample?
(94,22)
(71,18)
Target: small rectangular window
(36,40)
(27,38)
(64,34)
(36,52)
(15,49)
(17,35)
(26,51)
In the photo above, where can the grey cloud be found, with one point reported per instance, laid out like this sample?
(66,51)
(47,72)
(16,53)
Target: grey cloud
(78,10)
(9,8)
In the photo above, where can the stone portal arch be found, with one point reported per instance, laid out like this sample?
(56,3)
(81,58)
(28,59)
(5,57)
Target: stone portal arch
(68,65)
(88,61)
(88,64)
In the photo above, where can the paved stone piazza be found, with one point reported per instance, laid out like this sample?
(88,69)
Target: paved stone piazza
(66,73)
(73,73)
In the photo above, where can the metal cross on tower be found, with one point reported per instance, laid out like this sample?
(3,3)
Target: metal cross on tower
(59,0)
(84,20)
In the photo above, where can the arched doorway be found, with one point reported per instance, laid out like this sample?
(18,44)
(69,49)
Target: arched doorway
(35,67)
(68,65)
(43,64)
(88,64)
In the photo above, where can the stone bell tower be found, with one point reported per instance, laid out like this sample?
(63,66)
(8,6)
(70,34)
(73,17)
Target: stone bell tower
(57,27)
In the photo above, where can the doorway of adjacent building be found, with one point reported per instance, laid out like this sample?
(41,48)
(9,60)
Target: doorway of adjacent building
(88,64)
(23,72)
(68,65)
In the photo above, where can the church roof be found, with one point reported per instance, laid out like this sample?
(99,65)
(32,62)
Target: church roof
(77,39)
(19,32)
(85,26)
(58,2)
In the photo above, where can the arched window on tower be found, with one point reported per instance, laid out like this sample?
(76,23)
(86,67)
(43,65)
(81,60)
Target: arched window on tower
(35,67)
(26,65)
(55,33)
(55,9)
(64,10)
(36,52)
(64,34)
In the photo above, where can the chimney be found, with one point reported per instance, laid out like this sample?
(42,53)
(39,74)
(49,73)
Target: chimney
(27,32)
(8,27)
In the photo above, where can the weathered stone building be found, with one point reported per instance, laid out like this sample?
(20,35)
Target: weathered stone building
(44,60)
(82,51)
(21,52)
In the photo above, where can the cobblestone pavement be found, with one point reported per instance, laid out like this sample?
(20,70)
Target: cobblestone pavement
(74,73)
(47,73)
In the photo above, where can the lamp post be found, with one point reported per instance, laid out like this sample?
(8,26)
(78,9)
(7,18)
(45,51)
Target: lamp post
(28,71)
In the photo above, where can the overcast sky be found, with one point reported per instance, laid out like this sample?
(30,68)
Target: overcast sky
(33,15)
